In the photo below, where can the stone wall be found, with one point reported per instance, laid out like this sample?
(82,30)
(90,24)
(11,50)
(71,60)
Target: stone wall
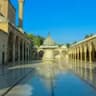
(7,9)
(11,13)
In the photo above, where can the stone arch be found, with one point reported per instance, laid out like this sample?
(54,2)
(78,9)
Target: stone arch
(93,51)
(10,46)
(87,53)
(76,54)
(82,48)
(27,52)
(21,47)
(79,54)
(41,53)
(72,54)
(24,51)
(16,48)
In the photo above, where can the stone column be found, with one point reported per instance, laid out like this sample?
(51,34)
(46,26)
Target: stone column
(25,53)
(74,59)
(90,57)
(85,57)
(22,51)
(78,60)
(81,58)
(81,54)
(13,61)
(70,55)
(74,55)
(85,54)
(78,53)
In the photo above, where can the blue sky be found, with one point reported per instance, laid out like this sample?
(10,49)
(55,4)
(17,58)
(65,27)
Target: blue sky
(66,20)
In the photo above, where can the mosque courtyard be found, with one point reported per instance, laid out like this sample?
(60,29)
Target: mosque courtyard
(54,75)
(33,64)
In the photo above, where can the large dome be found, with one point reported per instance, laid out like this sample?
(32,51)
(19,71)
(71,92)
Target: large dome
(49,41)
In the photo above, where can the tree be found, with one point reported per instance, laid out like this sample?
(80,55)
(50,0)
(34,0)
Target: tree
(87,36)
(37,40)
(74,42)
(68,45)
(30,36)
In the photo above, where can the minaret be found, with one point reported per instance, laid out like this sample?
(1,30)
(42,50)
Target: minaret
(21,5)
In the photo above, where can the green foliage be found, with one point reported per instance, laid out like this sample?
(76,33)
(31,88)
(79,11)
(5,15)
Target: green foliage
(74,42)
(87,36)
(37,40)
(59,45)
(68,45)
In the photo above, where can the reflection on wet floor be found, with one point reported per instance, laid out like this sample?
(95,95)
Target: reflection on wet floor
(54,79)
(86,71)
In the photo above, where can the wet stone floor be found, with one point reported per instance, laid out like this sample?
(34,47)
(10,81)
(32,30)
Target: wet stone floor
(51,79)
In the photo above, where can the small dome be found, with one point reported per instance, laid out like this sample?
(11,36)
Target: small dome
(49,41)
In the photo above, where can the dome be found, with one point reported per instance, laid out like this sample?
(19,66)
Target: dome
(49,41)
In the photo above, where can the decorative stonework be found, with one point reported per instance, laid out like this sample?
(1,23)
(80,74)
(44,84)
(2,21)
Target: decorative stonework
(52,51)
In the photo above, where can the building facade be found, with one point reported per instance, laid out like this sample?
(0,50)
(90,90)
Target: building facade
(14,44)
(84,52)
